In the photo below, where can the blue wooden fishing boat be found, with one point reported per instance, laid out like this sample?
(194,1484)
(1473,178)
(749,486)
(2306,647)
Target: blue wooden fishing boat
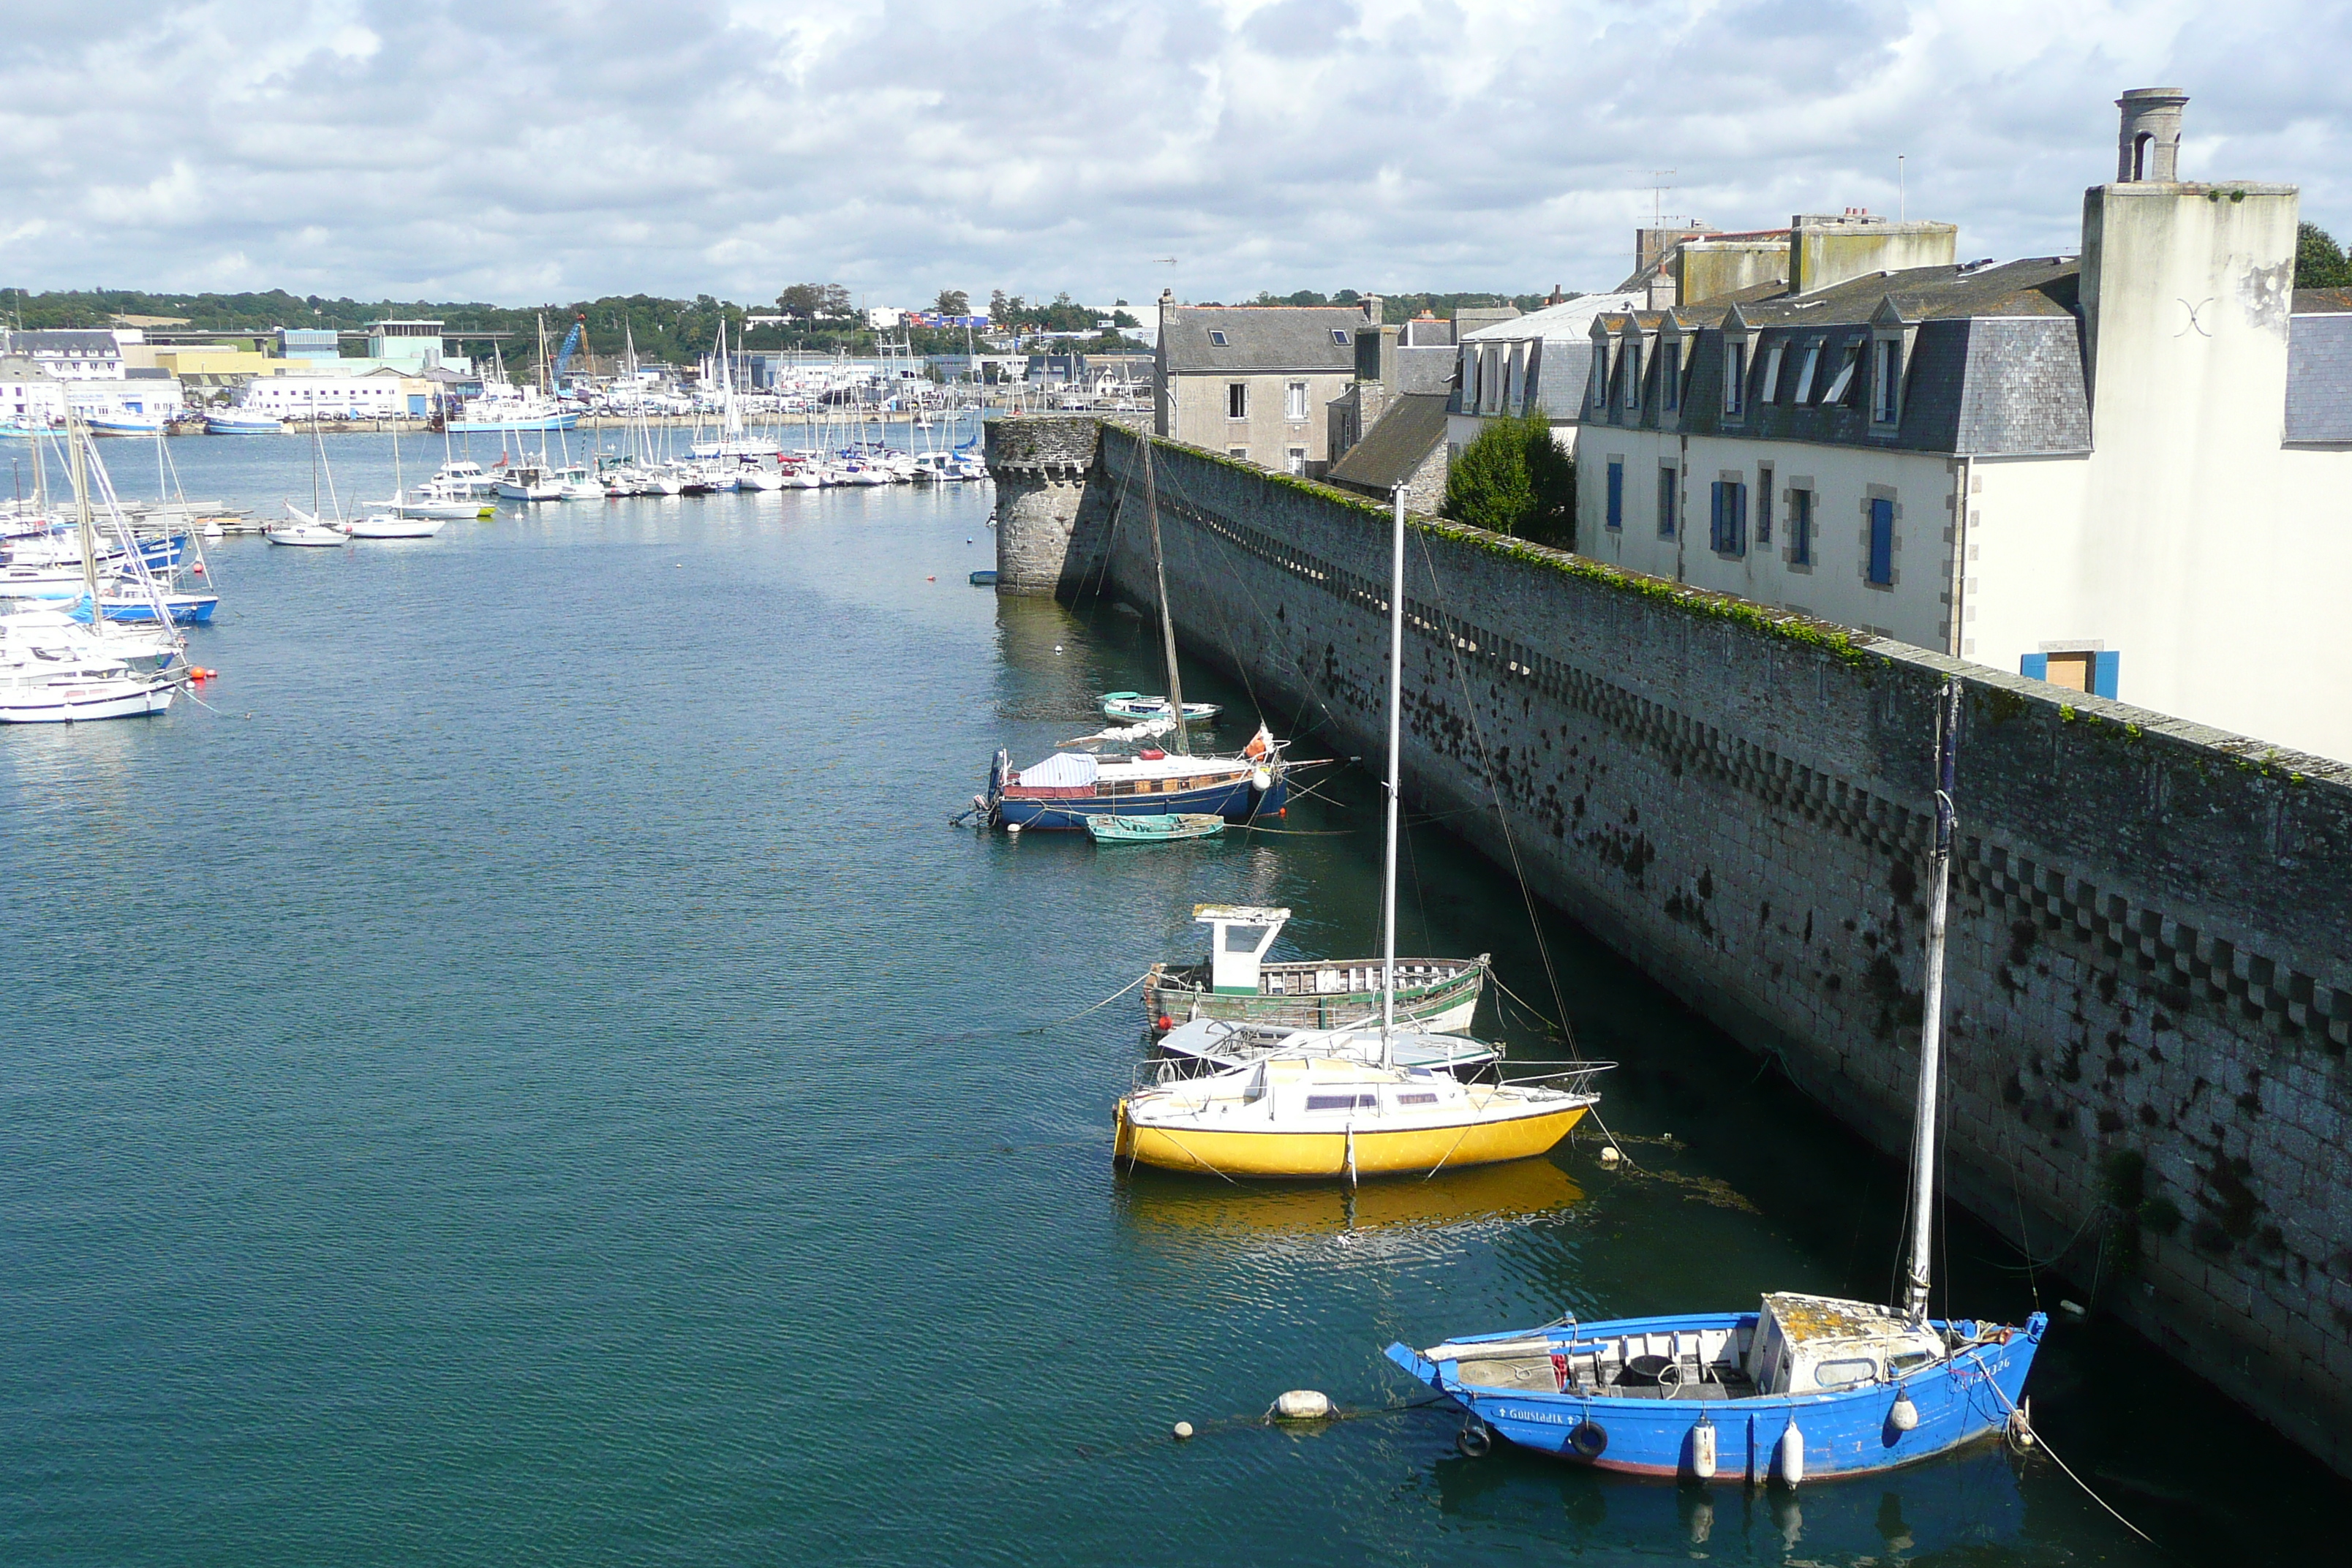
(1106,828)
(1806,1386)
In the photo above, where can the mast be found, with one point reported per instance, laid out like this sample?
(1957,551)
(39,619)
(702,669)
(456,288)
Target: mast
(81,519)
(1396,727)
(1167,618)
(1931,1022)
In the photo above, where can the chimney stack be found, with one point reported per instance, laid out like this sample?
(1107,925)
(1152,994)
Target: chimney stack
(2149,148)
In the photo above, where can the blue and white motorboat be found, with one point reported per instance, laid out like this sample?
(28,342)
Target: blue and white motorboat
(1803,1386)
(125,425)
(243,422)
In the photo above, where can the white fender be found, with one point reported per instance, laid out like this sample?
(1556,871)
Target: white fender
(1905,1416)
(1789,1455)
(1702,1449)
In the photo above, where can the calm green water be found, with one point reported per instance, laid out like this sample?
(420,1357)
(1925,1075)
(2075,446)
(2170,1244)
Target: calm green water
(530,1076)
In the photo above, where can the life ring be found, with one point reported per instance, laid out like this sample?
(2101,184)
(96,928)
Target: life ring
(1476,1439)
(1587,1439)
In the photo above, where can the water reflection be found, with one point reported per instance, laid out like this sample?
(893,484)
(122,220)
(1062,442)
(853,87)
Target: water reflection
(1181,1211)
(1969,1503)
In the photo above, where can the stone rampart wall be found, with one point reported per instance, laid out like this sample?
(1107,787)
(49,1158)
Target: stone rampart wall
(2150,974)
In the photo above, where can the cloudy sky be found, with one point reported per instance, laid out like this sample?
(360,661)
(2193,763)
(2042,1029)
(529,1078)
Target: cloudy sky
(521,152)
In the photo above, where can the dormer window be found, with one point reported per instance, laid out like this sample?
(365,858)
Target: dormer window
(1887,381)
(1734,377)
(1805,376)
(1843,381)
(1599,374)
(1771,387)
(1216,337)
(1670,375)
(1634,376)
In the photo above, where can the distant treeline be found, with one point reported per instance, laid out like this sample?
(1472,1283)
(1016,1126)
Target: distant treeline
(1405,306)
(666,331)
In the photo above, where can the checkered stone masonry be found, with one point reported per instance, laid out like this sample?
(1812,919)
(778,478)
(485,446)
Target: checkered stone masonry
(2150,974)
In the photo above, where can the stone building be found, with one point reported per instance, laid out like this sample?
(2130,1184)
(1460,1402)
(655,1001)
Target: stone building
(1252,381)
(2124,471)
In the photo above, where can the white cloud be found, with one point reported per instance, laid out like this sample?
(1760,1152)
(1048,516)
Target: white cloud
(516,152)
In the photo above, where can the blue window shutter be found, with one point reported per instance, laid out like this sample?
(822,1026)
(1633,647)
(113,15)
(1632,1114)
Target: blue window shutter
(1715,515)
(2034,667)
(1616,495)
(1882,542)
(2104,667)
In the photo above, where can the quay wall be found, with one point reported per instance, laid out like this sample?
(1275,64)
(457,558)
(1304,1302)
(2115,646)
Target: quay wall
(2149,978)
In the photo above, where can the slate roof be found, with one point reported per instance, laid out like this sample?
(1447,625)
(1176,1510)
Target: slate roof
(71,343)
(1995,366)
(1428,368)
(2320,370)
(1261,338)
(1396,446)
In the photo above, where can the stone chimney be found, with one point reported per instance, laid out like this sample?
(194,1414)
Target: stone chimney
(2148,147)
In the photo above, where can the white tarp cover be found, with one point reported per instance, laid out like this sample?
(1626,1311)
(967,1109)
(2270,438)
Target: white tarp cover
(1064,770)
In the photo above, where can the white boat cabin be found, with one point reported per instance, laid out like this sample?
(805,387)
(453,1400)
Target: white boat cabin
(1239,938)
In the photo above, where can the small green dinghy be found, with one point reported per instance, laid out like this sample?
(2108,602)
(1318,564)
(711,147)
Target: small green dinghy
(1108,829)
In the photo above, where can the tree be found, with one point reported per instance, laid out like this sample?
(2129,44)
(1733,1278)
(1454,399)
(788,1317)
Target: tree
(809,301)
(1514,479)
(952,302)
(2318,263)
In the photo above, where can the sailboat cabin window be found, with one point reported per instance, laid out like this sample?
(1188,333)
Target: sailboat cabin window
(1343,1103)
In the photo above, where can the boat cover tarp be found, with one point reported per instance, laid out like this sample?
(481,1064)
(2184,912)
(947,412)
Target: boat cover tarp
(1064,770)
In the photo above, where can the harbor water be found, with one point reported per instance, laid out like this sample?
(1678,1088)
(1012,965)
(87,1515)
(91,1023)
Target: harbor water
(525,1071)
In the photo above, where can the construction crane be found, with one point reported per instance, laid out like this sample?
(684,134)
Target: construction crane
(571,341)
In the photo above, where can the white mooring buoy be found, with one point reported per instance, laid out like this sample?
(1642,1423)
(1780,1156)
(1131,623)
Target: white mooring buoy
(1302,1404)
(1905,1416)
(1610,1156)
(1184,1429)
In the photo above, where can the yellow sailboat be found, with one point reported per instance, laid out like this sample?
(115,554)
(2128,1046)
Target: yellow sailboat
(1339,1102)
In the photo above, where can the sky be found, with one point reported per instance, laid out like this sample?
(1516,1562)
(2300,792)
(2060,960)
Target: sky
(526,153)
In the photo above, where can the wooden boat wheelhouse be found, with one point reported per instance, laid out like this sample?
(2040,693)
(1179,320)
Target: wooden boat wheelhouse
(1235,981)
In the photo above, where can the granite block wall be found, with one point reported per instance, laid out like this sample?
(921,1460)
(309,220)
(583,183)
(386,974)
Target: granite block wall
(2150,974)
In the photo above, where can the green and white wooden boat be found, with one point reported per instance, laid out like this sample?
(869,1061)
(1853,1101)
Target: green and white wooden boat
(1134,707)
(1109,829)
(1436,995)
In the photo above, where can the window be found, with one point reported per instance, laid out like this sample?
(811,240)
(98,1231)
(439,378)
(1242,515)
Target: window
(1844,378)
(1665,502)
(1771,388)
(1241,452)
(1805,376)
(1727,518)
(1632,375)
(1616,492)
(1236,400)
(1294,400)
(1339,336)
(1297,464)
(1670,376)
(1600,375)
(1800,528)
(1882,542)
(1353,1102)
(1886,402)
(1764,501)
(1734,377)
(1843,1373)
(1216,337)
(2094,671)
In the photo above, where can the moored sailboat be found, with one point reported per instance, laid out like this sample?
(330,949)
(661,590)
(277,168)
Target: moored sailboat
(1804,1386)
(1352,1102)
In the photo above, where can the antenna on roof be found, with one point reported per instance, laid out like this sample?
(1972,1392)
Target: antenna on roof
(1902,192)
(1658,189)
